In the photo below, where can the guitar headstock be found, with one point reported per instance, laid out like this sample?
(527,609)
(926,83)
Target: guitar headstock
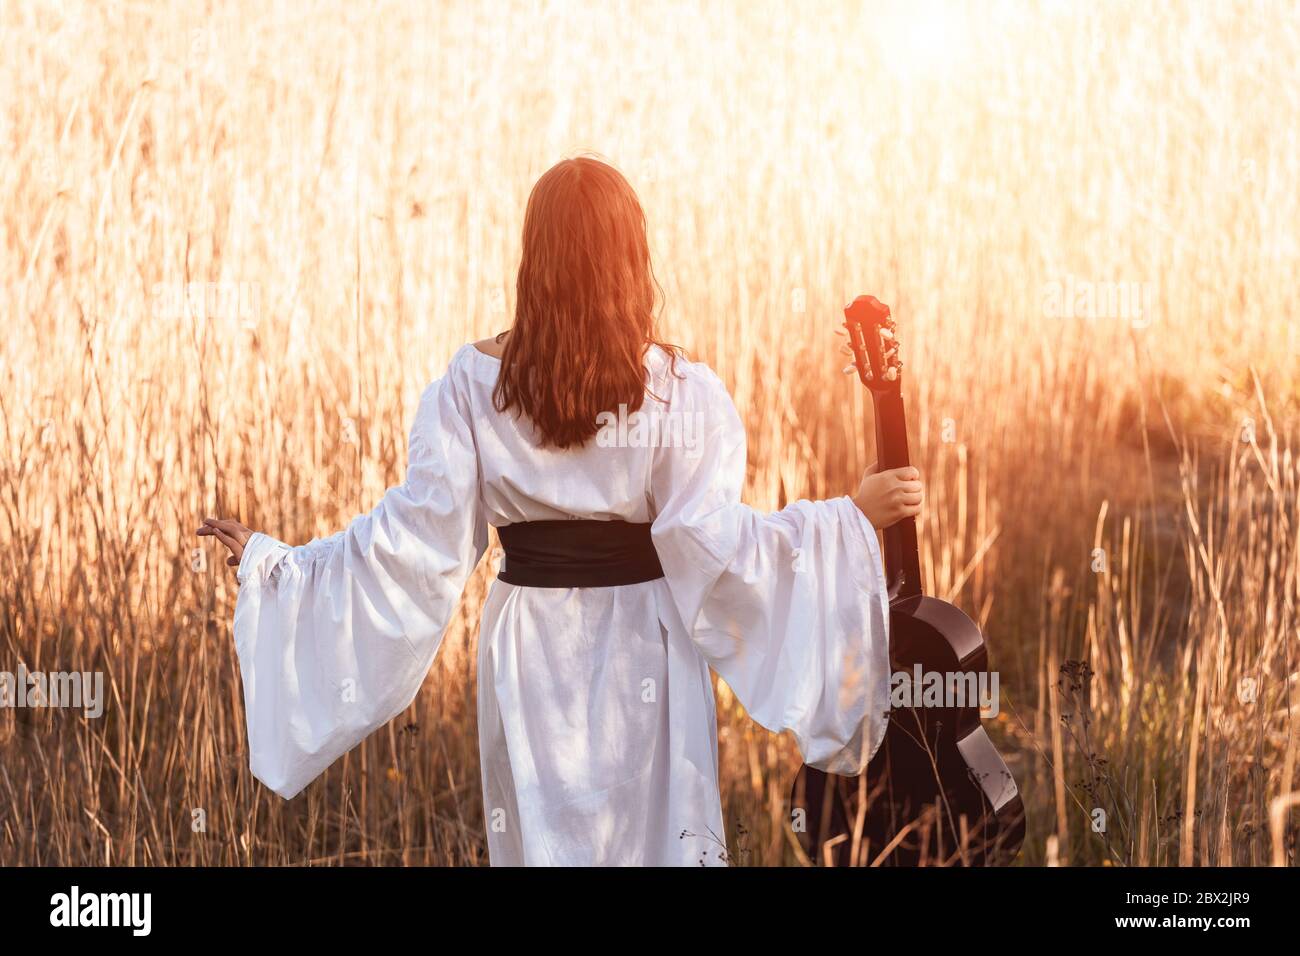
(873,339)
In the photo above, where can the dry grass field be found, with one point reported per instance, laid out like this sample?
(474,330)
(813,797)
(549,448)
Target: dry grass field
(239,238)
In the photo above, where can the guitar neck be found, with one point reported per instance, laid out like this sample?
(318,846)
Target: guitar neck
(902,559)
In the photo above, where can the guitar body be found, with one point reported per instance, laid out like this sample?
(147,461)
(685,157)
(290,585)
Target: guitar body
(936,792)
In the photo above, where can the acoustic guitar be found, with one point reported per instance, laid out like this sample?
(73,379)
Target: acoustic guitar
(937,792)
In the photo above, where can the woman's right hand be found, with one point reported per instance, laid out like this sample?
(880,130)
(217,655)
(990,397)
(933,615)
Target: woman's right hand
(887,497)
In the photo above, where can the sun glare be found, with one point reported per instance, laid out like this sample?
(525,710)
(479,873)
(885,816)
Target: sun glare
(925,40)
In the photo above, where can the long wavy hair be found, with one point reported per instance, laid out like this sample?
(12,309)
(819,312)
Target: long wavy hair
(585,305)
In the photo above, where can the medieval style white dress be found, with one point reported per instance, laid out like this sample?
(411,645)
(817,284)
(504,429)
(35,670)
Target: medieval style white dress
(596,715)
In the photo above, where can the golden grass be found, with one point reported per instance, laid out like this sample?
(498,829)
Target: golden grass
(359,175)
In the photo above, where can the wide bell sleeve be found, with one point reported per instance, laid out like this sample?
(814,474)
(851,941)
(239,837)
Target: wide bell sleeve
(790,608)
(335,637)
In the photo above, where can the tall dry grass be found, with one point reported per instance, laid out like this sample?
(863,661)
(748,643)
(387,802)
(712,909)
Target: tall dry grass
(1114,498)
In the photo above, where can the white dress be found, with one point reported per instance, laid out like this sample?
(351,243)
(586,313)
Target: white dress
(597,726)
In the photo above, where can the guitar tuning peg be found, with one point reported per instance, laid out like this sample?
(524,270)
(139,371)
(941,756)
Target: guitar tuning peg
(849,369)
(891,375)
(887,334)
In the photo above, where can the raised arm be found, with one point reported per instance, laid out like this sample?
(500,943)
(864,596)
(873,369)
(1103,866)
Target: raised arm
(335,637)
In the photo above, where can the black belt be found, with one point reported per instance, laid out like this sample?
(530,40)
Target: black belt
(572,553)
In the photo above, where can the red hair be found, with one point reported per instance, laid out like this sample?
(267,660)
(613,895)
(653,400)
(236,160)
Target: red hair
(585,304)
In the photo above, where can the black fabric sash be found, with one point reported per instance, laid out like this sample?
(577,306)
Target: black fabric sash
(578,553)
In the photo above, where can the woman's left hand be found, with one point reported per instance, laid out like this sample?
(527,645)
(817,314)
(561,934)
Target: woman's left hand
(231,533)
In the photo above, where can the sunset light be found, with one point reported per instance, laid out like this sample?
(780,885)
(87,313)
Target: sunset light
(458,432)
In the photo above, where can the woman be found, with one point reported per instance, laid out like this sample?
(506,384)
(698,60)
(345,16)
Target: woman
(612,467)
